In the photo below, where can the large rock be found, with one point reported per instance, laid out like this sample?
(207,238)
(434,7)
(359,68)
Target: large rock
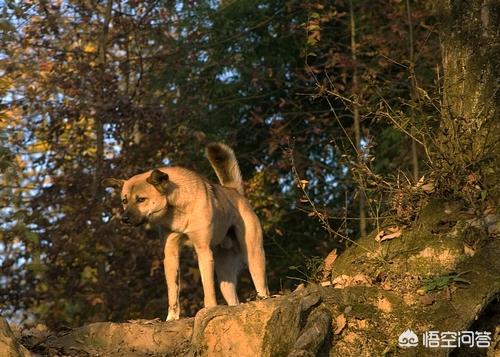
(270,327)
(136,338)
(368,321)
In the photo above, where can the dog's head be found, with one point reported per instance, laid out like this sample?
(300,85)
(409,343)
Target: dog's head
(144,196)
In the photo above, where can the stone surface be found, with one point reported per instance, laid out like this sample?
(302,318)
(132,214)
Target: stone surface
(137,338)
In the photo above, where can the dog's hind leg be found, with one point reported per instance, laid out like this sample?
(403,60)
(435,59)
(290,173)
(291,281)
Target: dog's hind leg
(249,235)
(227,265)
(171,267)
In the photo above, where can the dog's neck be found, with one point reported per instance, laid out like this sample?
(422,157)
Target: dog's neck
(184,188)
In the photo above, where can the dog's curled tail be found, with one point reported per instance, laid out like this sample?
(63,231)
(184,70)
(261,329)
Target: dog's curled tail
(224,163)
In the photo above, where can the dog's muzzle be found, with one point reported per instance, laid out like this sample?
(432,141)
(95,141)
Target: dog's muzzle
(125,219)
(132,219)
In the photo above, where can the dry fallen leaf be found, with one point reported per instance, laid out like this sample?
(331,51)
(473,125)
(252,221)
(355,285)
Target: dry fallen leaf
(384,305)
(327,264)
(362,324)
(341,324)
(395,233)
(394,229)
(469,251)
(428,187)
(386,286)
(361,279)
(472,178)
(379,235)
(420,182)
(391,236)
(343,281)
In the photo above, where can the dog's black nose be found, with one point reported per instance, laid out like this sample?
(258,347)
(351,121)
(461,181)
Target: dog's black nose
(126,219)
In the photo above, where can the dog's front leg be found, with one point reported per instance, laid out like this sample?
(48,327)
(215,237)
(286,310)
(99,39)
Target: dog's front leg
(171,267)
(201,244)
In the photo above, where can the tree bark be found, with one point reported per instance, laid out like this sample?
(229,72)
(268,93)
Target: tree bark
(470,128)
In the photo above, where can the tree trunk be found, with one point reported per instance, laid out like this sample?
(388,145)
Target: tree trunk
(414,95)
(357,120)
(470,129)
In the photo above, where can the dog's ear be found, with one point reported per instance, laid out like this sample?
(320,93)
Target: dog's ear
(159,180)
(112,182)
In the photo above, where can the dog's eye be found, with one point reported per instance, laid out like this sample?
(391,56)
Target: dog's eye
(124,201)
(141,199)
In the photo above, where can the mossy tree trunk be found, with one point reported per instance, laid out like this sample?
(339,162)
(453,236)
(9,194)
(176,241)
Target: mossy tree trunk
(470,130)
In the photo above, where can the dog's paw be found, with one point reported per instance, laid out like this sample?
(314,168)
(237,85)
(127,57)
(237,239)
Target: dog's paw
(172,318)
(173,314)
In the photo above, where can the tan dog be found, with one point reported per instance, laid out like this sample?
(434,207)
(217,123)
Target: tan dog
(217,219)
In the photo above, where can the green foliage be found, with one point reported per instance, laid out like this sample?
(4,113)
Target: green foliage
(310,270)
(442,282)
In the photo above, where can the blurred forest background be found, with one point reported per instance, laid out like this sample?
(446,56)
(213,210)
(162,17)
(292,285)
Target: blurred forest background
(319,99)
